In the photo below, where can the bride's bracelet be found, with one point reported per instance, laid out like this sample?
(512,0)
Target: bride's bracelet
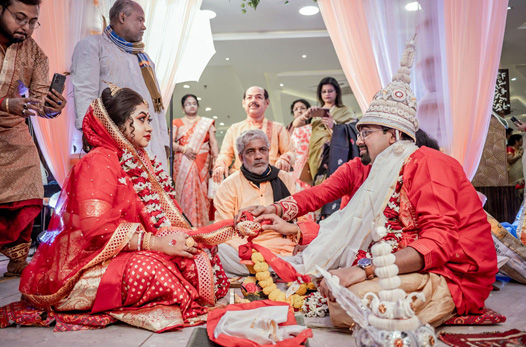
(146,242)
(139,240)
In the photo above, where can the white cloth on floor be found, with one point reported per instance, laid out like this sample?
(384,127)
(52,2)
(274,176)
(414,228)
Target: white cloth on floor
(259,325)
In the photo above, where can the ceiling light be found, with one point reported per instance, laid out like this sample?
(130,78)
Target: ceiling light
(309,10)
(227,58)
(221,123)
(514,79)
(413,6)
(215,117)
(208,109)
(199,98)
(509,7)
(186,86)
(209,14)
(222,132)
(281,84)
(304,56)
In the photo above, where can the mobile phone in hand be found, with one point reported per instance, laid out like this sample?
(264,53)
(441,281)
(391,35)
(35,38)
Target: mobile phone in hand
(57,83)
(321,112)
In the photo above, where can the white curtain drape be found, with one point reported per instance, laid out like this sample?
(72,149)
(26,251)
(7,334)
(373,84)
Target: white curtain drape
(391,26)
(58,137)
(458,51)
(177,32)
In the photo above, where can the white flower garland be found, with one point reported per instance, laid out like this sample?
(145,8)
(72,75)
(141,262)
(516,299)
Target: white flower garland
(142,186)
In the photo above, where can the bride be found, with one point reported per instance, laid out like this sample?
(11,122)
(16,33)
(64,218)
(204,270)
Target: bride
(118,243)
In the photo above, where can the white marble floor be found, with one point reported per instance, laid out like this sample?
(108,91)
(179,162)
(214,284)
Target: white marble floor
(510,301)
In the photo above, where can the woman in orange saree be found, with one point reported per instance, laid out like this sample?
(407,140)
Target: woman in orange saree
(195,148)
(118,246)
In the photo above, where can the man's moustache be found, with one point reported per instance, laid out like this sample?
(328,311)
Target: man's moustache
(253,104)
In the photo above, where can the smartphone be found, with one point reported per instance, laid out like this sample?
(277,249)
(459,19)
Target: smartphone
(321,112)
(57,83)
(515,120)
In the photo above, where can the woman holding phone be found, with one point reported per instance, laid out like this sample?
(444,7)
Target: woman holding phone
(322,120)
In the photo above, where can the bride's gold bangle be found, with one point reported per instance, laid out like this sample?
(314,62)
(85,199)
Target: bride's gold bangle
(146,241)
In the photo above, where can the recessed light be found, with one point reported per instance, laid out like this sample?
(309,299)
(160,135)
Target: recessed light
(221,123)
(281,84)
(309,10)
(209,14)
(222,132)
(186,86)
(215,117)
(509,7)
(199,98)
(304,56)
(514,79)
(227,58)
(208,109)
(413,6)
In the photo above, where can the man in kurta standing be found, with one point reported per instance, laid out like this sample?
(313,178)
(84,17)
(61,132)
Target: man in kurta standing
(21,193)
(118,56)
(281,151)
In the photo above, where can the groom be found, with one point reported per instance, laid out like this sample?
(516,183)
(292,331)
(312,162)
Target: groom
(418,200)
(117,56)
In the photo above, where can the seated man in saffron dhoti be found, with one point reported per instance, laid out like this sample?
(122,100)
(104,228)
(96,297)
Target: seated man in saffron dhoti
(257,182)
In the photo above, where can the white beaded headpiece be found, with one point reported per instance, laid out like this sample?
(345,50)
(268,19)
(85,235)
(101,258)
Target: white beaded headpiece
(395,105)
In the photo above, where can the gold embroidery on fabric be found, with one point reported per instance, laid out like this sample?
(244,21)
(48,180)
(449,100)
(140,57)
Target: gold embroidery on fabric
(82,296)
(117,242)
(18,252)
(217,236)
(290,208)
(151,318)
(205,278)
(93,208)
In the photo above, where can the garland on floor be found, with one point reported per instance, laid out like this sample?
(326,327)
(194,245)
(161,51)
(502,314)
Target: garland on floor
(265,281)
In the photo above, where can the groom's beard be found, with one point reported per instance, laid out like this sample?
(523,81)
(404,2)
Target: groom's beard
(365,157)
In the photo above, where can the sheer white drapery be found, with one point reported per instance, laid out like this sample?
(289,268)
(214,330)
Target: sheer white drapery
(57,137)
(458,49)
(391,26)
(177,32)
(347,26)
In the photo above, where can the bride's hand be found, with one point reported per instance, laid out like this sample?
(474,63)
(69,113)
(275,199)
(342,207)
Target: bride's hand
(175,245)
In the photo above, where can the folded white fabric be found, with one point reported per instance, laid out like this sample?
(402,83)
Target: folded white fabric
(259,325)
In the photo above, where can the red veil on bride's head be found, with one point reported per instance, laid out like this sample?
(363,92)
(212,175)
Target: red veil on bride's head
(117,104)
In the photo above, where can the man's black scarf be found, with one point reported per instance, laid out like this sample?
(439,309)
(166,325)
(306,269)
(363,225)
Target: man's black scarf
(279,189)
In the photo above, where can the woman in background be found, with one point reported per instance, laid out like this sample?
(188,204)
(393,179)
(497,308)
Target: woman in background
(195,150)
(300,136)
(329,96)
